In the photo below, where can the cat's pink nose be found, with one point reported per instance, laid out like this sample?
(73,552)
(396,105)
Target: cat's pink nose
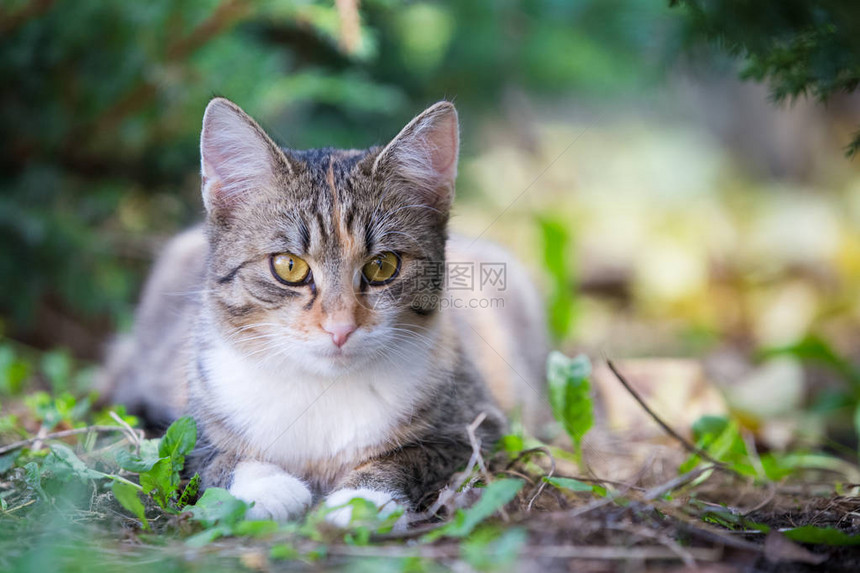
(339,331)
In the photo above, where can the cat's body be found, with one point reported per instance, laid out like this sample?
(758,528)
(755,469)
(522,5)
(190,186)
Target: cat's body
(335,385)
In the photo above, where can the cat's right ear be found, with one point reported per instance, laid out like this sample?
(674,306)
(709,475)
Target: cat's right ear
(237,158)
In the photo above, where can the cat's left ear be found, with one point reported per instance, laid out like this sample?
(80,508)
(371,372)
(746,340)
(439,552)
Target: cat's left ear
(423,156)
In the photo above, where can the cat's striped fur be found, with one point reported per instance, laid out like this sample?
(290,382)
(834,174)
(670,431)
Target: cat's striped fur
(285,415)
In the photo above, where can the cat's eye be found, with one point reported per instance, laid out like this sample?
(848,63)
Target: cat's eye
(381,269)
(289,269)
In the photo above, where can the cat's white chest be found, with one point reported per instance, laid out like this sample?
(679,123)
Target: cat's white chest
(309,424)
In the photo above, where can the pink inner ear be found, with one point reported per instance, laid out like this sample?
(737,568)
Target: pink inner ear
(443,154)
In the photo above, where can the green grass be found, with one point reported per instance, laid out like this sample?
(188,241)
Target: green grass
(102,499)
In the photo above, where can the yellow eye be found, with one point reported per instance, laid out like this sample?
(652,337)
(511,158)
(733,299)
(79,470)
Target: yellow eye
(381,268)
(289,269)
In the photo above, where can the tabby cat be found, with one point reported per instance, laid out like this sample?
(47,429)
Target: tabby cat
(308,329)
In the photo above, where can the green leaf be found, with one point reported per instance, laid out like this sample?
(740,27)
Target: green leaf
(218,506)
(161,482)
(815,349)
(64,464)
(7,461)
(570,394)
(569,484)
(491,549)
(512,443)
(709,427)
(13,371)
(207,536)
(721,438)
(283,551)
(57,367)
(127,496)
(821,535)
(33,478)
(257,528)
(494,497)
(190,491)
(162,479)
(857,422)
(178,440)
(138,464)
(556,240)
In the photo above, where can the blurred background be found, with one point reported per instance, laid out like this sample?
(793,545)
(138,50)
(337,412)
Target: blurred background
(668,208)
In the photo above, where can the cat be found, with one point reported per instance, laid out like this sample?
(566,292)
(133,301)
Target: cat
(307,328)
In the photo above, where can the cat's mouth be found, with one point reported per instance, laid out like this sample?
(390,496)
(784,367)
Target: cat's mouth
(337,355)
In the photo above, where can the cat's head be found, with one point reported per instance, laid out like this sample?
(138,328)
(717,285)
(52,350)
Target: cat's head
(326,260)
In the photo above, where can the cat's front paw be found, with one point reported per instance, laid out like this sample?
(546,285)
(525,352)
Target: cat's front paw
(342,516)
(275,494)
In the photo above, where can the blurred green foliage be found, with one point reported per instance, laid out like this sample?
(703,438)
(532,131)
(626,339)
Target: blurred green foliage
(800,48)
(556,254)
(101,102)
(828,402)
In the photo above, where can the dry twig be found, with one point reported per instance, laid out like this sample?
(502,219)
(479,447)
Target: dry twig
(129,431)
(681,439)
(55,435)
(449,492)
(543,482)
(659,491)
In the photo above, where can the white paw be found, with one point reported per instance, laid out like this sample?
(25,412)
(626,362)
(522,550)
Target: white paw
(275,493)
(342,516)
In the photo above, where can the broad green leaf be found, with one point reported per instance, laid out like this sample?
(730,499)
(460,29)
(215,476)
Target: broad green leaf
(569,484)
(178,440)
(570,394)
(127,496)
(218,506)
(64,464)
(163,477)
(149,449)
(494,497)
(161,482)
(138,464)
(821,535)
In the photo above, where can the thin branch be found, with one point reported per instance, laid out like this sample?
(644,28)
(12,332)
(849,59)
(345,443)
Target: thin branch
(666,428)
(55,435)
(589,552)
(476,444)
(131,434)
(542,486)
(674,483)
(449,492)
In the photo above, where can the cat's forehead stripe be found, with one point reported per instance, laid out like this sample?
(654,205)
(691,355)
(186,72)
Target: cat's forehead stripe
(305,236)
